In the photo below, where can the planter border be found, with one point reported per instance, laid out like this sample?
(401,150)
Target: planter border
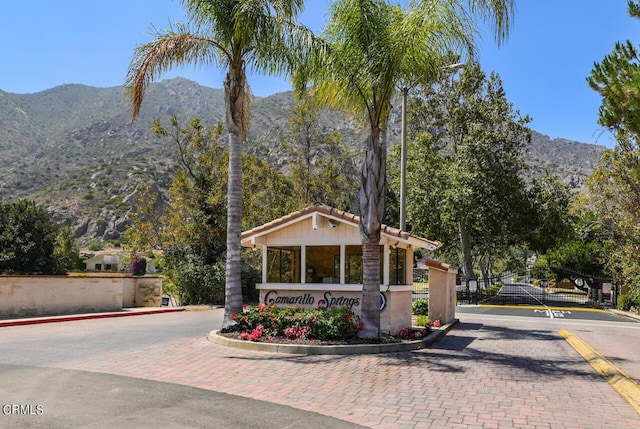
(350,349)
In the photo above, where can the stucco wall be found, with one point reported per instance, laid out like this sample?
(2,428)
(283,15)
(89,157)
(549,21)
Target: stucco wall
(395,316)
(397,313)
(147,291)
(46,295)
(128,292)
(442,294)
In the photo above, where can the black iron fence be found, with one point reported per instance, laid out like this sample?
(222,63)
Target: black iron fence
(524,289)
(420,290)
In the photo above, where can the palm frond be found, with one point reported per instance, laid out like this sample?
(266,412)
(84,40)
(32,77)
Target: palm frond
(499,13)
(167,51)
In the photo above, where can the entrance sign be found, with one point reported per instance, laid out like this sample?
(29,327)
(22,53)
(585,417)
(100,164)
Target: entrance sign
(319,299)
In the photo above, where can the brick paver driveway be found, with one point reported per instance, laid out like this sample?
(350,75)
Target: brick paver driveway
(488,372)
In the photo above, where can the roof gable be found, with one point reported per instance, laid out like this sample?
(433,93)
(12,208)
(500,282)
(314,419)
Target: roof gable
(322,216)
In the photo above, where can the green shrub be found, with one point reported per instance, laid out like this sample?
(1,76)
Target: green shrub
(493,290)
(200,284)
(420,307)
(626,301)
(250,277)
(94,245)
(422,320)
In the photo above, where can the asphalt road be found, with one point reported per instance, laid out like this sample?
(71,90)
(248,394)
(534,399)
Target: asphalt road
(34,393)
(546,312)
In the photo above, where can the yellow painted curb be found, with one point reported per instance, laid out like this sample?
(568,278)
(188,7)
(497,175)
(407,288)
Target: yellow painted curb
(621,382)
(541,307)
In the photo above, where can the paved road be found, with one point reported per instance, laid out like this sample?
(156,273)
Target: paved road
(525,293)
(539,311)
(491,371)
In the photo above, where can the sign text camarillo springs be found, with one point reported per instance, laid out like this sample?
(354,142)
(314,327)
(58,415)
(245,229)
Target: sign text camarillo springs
(328,300)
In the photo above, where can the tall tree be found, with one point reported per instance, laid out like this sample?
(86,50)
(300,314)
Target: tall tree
(28,240)
(467,166)
(550,222)
(234,34)
(189,225)
(615,184)
(372,47)
(322,167)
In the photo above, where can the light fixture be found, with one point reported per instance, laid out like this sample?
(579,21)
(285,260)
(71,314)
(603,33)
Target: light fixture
(333,223)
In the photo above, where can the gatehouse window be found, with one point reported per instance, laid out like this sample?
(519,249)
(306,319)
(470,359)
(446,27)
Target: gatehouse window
(321,264)
(283,265)
(397,262)
(354,266)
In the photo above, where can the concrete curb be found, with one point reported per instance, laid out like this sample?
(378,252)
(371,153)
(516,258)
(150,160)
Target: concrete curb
(618,379)
(75,317)
(628,314)
(352,349)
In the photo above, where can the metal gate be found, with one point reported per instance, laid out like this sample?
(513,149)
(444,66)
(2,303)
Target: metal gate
(573,290)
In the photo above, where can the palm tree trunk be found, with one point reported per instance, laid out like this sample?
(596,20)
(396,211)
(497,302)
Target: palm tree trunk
(372,192)
(234,87)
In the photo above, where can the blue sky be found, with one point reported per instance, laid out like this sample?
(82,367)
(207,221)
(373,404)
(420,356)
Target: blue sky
(543,65)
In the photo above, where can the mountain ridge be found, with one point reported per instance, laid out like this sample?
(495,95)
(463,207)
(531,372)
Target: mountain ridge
(74,149)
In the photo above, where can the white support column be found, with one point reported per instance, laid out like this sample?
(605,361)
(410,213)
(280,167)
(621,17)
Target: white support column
(264,264)
(385,265)
(303,264)
(343,262)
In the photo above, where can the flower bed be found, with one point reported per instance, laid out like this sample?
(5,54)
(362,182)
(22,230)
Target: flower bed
(292,325)
(335,323)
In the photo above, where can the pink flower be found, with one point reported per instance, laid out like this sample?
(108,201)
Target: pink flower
(436,323)
(256,333)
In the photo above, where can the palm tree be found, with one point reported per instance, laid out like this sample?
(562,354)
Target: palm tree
(232,34)
(372,47)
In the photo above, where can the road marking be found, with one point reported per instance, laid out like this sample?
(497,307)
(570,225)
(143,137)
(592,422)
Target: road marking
(546,308)
(528,293)
(618,379)
(553,313)
(540,307)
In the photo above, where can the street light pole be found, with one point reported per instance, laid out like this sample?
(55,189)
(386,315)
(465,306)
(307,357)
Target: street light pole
(403,161)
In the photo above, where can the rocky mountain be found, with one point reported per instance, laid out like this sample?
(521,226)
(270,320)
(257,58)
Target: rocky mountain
(74,148)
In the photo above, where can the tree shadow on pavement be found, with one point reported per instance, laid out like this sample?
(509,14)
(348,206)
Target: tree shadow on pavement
(455,352)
